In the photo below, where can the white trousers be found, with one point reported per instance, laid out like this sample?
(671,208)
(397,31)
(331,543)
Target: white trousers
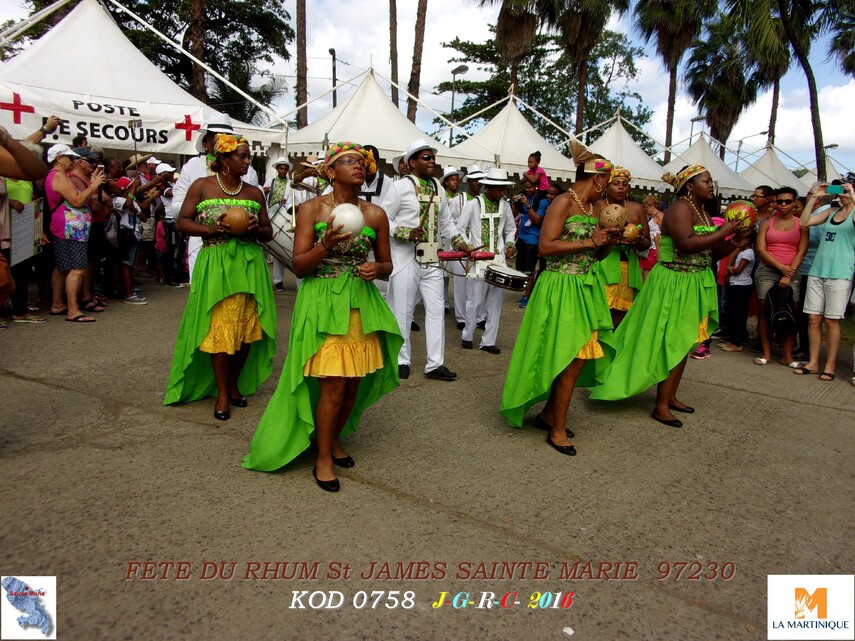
(483,298)
(459,279)
(278,271)
(405,288)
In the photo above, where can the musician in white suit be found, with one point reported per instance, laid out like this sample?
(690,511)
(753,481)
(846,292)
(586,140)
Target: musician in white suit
(200,167)
(419,194)
(489,221)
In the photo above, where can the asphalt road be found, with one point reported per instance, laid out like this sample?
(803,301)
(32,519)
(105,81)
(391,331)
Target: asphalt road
(99,479)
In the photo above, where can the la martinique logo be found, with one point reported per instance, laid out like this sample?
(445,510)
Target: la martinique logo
(816,602)
(811,606)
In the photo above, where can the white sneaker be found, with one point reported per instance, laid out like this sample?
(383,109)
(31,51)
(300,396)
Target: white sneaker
(136,299)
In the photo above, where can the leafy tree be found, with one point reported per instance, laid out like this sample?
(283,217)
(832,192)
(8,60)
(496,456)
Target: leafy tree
(547,83)
(234,32)
(241,74)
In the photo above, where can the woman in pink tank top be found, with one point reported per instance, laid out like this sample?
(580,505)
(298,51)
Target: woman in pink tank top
(781,245)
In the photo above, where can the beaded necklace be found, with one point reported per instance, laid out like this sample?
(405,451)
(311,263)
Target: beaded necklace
(700,213)
(226,191)
(590,211)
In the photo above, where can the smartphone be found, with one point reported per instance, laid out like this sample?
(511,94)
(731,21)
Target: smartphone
(834,189)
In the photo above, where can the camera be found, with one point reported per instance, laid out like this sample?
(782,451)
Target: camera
(834,190)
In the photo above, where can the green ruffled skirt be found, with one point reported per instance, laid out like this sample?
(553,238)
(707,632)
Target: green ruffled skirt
(222,270)
(563,312)
(659,331)
(323,307)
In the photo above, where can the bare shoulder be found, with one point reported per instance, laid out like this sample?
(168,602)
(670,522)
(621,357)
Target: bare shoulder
(635,211)
(373,214)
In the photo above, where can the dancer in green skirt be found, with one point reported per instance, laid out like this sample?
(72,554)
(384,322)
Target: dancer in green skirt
(227,338)
(677,308)
(344,341)
(558,339)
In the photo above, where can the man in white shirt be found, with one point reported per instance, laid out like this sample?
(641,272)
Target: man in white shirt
(200,167)
(408,227)
(279,194)
(489,221)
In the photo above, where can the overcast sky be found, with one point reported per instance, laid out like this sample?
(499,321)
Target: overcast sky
(359,32)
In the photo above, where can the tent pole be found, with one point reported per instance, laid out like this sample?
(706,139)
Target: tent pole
(559,128)
(19,27)
(470,117)
(207,68)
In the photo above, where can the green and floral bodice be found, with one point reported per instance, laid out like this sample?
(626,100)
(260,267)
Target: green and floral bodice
(675,261)
(208,212)
(347,256)
(575,228)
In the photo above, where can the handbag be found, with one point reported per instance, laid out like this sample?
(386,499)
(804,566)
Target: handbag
(7,283)
(111,230)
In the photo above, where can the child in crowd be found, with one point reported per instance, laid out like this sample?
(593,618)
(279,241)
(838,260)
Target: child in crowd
(537,174)
(738,288)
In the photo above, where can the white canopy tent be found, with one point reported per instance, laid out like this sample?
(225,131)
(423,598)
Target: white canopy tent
(369,117)
(86,72)
(700,153)
(618,146)
(508,139)
(831,173)
(769,170)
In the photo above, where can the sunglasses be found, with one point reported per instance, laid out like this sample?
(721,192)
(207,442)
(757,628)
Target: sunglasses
(427,157)
(784,201)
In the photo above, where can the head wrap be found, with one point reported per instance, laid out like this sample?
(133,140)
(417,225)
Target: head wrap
(620,172)
(340,149)
(227,143)
(684,176)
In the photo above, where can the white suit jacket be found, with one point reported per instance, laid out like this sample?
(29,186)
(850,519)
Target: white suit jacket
(407,215)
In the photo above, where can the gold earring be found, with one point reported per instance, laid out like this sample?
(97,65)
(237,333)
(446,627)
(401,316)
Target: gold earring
(596,190)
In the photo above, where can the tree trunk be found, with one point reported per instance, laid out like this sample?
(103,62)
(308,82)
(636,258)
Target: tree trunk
(580,96)
(669,118)
(393,47)
(801,55)
(302,68)
(416,71)
(773,118)
(514,74)
(197,48)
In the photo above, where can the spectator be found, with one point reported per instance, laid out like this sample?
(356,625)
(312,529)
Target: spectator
(176,246)
(80,174)
(781,246)
(654,213)
(830,277)
(69,228)
(532,206)
(737,293)
(813,243)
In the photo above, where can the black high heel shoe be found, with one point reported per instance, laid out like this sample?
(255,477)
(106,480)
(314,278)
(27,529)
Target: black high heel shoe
(239,401)
(345,461)
(329,486)
(222,415)
(543,425)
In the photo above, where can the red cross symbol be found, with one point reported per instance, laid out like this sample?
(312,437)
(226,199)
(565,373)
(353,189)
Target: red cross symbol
(17,107)
(188,126)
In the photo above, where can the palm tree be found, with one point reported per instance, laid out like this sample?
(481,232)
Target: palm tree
(302,68)
(716,77)
(416,70)
(515,31)
(842,44)
(196,36)
(241,74)
(798,17)
(674,24)
(771,60)
(393,47)
(581,26)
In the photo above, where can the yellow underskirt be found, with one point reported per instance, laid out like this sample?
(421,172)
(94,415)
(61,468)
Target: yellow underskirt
(234,321)
(352,355)
(620,295)
(592,349)
(703,331)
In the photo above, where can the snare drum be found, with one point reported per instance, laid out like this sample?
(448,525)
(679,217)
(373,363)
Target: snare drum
(282,243)
(506,278)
